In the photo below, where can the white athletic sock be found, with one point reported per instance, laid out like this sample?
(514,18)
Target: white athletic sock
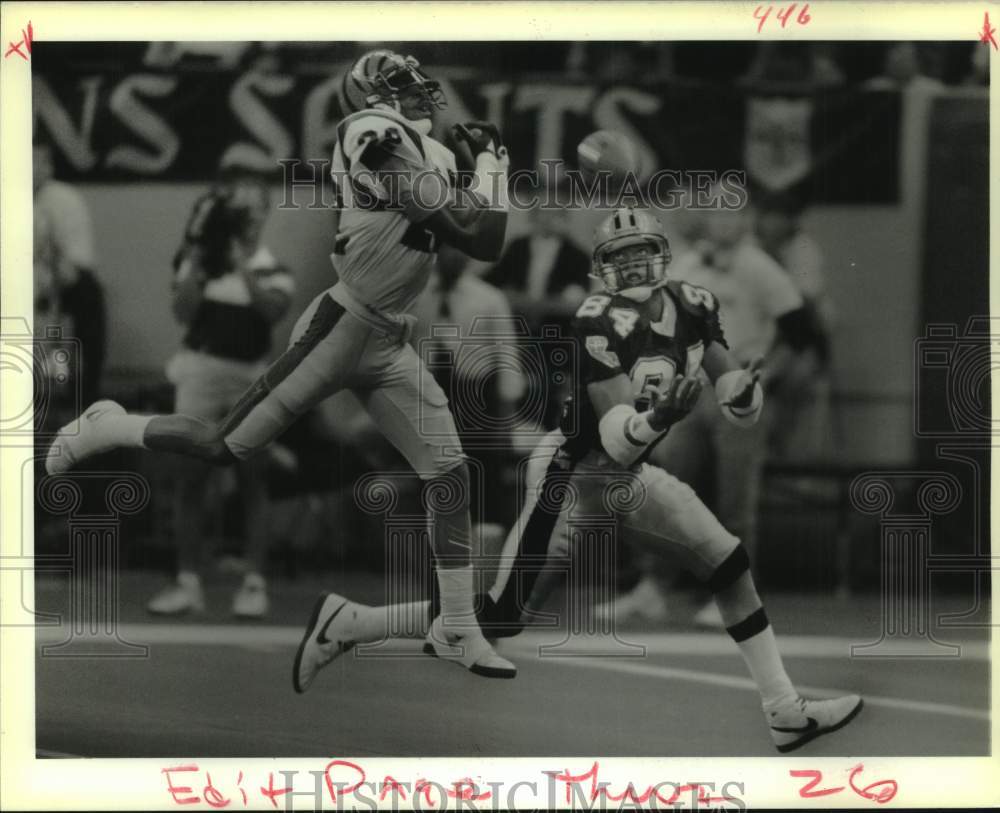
(129,430)
(374,624)
(762,657)
(457,611)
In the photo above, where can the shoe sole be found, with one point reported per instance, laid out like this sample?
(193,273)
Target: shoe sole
(482,671)
(784,749)
(313,619)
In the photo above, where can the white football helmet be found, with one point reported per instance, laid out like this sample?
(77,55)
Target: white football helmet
(377,77)
(631,254)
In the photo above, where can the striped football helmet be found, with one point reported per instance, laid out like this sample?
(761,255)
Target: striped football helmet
(377,77)
(644,266)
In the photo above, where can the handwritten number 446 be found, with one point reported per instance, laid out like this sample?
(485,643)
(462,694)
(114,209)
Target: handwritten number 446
(879,792)
(783,15)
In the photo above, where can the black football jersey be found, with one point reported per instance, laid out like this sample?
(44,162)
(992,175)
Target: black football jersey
(613,338)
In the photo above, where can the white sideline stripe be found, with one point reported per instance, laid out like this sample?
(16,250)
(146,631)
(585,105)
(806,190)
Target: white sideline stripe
(259,637)
(657,643)
(734,682)
(719,643)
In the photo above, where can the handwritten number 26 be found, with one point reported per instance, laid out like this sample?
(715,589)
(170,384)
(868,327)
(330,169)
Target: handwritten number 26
(810,791)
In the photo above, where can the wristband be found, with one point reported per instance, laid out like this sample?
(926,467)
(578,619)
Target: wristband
(638,430)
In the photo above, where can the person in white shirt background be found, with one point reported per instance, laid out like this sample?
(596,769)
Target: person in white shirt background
(544,275)
(802,422)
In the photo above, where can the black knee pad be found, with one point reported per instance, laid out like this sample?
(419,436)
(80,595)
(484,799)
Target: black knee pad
(726,574)
(752,625)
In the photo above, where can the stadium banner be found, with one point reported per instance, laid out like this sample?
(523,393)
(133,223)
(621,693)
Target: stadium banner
(114,125)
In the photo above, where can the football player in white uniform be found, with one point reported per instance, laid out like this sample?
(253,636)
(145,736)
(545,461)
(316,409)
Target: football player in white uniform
(399,201)
(641,346)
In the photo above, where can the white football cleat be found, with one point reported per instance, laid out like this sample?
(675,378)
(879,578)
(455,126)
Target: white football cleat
(469,649)
(184,596)
(251,601)
(328,635)
(86,436)
(798,721)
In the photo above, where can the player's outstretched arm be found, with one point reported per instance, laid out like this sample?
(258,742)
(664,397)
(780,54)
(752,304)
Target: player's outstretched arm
(624,432)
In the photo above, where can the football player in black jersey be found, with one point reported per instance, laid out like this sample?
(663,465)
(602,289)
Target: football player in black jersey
(642,344)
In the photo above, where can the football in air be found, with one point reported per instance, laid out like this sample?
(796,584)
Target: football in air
(608,152)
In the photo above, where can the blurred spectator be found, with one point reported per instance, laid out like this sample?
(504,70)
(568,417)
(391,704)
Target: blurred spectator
(544,273)
(545,276)
(484,383)
(228,292)
(313,515)
(68,293)
(800,399)
(908,67)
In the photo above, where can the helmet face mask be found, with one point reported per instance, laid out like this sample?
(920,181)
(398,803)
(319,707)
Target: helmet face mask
(384,77)
(630,252)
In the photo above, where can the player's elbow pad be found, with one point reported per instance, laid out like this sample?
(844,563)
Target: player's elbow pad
(726,387)
(616,437)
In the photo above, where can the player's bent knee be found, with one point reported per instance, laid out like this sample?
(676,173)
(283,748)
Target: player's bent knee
(730,571)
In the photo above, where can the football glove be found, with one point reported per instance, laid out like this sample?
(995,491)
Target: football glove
(742,398)
(480,136)
(676,401)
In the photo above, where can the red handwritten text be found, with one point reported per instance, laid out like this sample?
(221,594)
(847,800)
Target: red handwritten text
(271,792)
(809,790)
(179,791)
(597,789)
(783,15)
(342,779)
(27,37)
(988,32)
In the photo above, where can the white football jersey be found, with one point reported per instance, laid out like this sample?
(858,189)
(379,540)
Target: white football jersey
(384,256)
